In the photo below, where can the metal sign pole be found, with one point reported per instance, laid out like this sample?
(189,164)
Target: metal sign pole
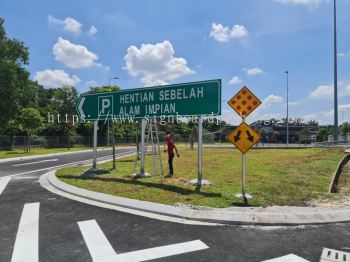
(95,146)
(243,176)
(200,181)
(113,137)
(200,131)
(143,130)
(108,133)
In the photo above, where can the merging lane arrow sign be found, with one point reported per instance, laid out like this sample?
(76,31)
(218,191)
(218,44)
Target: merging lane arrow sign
(244,137)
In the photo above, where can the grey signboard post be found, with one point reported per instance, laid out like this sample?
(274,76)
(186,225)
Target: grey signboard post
(179,100)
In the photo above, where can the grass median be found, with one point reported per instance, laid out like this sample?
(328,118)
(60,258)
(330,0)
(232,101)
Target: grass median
(273,177)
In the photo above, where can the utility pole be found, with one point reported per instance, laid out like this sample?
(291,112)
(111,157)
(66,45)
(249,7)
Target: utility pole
(336,131)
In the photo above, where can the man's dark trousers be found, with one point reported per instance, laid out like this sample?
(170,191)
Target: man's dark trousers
(170,162)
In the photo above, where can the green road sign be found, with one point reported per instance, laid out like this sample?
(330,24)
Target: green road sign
(187,99)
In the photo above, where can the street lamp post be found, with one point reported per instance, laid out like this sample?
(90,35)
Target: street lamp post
(287,120)
(336,131)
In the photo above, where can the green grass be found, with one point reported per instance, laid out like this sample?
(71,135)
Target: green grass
(37,151)
(274,177)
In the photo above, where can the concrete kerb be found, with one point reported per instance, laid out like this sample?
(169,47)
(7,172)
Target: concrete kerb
(11,159)
(335,178)
(274,215)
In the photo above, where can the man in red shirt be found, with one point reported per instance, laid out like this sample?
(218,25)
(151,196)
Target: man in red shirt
(171,146)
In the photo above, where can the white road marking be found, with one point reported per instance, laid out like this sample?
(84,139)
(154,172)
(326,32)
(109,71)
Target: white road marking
(124,154)
(158,252)
(288,258)
(95,240)
(25,177)
(36,162)
(3,183)
(27,240)
(101,250)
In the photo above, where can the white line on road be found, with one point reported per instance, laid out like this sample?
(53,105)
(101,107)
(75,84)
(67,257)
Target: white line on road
(158,252)
(102,251)
(36,162)
(27,240)
(287,258)
(95,240)
(123,154)
(3,183)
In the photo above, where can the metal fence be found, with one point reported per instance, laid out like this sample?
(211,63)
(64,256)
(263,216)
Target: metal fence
(14,142)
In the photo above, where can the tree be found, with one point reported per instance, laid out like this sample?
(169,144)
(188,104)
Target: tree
(101,89)
(345,128)
(322,134)
(20,92)
(62,107)
(312,123)
(13,77)
(31,121)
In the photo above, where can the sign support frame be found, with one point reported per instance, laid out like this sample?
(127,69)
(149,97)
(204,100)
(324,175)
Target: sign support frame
(243,195)
(142,173)
(200,181)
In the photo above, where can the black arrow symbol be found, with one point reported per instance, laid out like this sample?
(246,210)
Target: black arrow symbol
(250,137)
(238,136)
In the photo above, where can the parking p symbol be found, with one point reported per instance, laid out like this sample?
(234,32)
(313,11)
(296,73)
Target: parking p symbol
(105,105)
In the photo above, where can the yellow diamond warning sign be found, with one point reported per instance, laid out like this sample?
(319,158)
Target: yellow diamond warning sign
(244,102)
(244,137)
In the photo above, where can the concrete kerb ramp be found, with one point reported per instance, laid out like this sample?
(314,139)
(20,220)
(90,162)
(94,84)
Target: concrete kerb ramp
(274,215)
(335,178)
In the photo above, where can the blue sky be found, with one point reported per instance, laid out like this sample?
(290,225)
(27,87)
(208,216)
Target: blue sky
(155,42)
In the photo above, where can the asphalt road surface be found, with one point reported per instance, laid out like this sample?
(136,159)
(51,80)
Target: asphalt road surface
(32,218)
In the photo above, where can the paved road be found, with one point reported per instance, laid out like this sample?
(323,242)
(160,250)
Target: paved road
(32,218)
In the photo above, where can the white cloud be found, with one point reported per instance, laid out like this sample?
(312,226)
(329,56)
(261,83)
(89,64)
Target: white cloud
(258,115)
(223,33)
(155,64)
(254,71)
(55,78)
(69,24)
(93,30)
(271,99)
(91,83)
(327,91)
(301,2)
(235,80)
(340,54)
(311,116)
(342,109)
(323,91)
(297,103)
(73,55)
